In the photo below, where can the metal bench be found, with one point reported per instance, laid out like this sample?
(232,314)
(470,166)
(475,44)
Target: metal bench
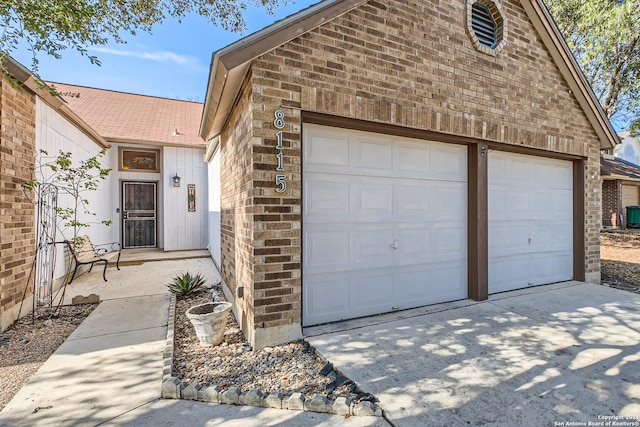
(86,253)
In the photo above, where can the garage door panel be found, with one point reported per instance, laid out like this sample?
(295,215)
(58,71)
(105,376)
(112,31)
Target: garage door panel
(551,238)
(497,210)
(554,174)
(371,248)
(405,224)
(449,242)
(422,286)
(518,205)
(455,275)
(550,206)
(326,249)
(323,149)
(333,298)
(372,292)
(541,239)
(372,153)
(326,300)
(530,221)
(327,196)
(517,170)
(449,201)
(561,235)
(449,162)
(550,268)
(412,199)
(372,201)
(509,239)
(516,270)
(413,160)
(496,271)
(413,245)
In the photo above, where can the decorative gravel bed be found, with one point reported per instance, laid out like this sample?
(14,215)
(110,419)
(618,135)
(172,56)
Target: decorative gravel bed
(287,369)
(29,342)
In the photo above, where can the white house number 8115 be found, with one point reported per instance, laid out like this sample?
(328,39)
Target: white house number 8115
(281,183)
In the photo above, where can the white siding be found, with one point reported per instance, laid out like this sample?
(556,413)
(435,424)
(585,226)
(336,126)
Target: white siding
(214,208)
(54,133)
(184,230)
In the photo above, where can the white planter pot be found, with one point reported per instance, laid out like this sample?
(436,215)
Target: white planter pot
(209,321)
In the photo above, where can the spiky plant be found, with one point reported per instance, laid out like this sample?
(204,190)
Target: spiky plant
(186,284)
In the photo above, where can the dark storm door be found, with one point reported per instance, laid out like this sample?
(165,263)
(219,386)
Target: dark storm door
(139,214)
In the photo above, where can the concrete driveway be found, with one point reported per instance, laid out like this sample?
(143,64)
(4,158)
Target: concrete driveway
(547,356)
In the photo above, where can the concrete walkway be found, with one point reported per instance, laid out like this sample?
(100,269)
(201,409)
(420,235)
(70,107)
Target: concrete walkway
(109,371)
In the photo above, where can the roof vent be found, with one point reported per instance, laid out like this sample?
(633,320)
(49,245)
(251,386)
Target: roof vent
(483,25)
(486,26)
(175,132)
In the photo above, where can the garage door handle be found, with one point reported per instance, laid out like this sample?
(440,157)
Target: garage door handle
(395,245)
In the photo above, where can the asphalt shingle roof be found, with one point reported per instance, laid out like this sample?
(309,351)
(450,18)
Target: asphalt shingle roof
(122,117)
(618,167)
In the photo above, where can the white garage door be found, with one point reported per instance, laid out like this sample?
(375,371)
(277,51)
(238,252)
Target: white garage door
(384,223)
(530,221)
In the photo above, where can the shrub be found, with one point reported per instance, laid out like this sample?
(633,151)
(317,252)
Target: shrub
(186,284)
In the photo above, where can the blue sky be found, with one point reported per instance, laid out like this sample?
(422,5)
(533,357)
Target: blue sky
(172,62)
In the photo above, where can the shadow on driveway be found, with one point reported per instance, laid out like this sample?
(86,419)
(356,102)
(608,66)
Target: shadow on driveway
(552,354)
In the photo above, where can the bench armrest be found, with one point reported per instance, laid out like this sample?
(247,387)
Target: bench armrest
(102,248)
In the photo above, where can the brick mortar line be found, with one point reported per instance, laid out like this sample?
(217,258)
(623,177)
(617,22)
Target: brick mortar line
(173,388)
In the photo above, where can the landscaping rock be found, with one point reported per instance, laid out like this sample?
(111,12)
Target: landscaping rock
(366,408)
(230,396)
(341,406)
(172,388)
(316,404)
(274,400)
(209,394)
(296,402)
(253,397)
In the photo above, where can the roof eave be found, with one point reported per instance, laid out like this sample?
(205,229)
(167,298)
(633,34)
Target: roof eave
(619,177)
(566,62)
(189,145)
(231,64)
(27,79)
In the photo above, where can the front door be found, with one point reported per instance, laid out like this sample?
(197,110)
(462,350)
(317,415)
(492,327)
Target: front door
(139,214)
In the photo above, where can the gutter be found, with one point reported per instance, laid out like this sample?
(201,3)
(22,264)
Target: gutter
(212,148)
(619,177)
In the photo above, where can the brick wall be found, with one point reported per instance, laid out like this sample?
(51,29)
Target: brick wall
(409,64)
(236,208)
(17,214)
(611,201)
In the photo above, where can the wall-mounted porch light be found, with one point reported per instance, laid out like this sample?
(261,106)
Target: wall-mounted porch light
(176,180)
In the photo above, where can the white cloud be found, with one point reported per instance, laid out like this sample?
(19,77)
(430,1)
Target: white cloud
(163,56)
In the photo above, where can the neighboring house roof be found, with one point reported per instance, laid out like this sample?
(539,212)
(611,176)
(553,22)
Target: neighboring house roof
(27,79)
(138,119)
(230,64)
(615,168)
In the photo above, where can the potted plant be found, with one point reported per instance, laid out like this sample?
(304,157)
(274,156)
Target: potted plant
(209,319)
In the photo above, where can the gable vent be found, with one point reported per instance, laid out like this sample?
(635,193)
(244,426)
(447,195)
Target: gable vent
(483,25)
